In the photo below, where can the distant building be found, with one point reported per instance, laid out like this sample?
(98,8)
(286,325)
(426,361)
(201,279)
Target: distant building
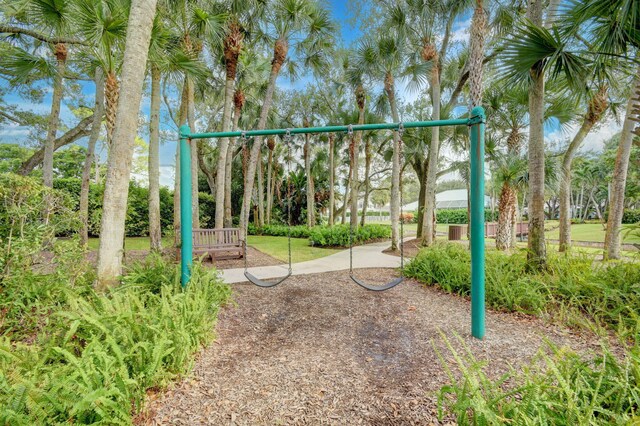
(452,199)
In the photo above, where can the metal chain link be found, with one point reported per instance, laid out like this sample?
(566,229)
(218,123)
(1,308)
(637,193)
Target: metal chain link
(400,143)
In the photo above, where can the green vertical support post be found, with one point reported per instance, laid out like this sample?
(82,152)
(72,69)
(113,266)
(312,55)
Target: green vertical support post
(477,222)
(186,225)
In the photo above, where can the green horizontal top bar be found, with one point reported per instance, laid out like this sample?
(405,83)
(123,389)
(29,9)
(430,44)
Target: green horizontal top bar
(329,129)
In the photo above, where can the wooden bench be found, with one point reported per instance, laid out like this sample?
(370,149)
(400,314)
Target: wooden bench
(218,241)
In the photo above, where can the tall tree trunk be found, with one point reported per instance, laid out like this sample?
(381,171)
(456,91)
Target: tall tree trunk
(332,178)
(476,55)
(98,113)
(232,46)
(596,108)
(223,148)
(367,179)
(260,190)
(191,118)
(281,49)
(238,102)
(421,200)
(345,202)
(182,118)
(271,144)
(354,152)
(155,229)
(537,255)
(428,228)
(619,180)
(394,204)
(506,216)
(54,118)
(307,167)
(116,189)
(112,93)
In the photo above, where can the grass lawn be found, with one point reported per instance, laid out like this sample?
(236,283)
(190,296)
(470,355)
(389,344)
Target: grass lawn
(273,246)
(277,247)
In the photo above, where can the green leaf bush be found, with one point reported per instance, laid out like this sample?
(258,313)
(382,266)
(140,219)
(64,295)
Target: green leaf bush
(71,355)
(573,288)
(338,235)
(558,387)
(297,231)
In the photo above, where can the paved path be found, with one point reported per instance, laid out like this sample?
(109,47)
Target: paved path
(366,256)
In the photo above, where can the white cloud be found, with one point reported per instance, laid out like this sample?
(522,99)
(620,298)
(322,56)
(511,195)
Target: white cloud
(594,141)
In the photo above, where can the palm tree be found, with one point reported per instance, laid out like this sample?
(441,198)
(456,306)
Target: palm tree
(380,58)
(613,27)
(596,107)
(308,26)
(109,267)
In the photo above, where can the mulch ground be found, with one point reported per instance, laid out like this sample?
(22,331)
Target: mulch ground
(318,349)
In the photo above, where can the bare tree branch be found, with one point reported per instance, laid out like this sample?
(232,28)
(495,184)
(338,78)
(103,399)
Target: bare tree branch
(11,117)
(463,80)
(80,131)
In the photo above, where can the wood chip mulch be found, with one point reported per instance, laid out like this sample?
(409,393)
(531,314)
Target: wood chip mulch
(318,349)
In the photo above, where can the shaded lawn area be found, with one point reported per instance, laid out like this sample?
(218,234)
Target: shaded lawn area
(276,247)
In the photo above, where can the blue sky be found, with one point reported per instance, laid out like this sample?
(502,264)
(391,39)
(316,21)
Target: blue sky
(340,11)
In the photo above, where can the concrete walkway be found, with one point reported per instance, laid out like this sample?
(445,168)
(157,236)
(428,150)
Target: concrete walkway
(366,256)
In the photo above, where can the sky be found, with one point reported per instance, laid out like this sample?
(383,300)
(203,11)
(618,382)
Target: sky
(340,11)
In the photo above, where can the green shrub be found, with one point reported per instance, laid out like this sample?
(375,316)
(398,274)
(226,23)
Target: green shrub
(338,235)
(559,387)
(606,295)
(298,231)
(631,216)
(88,358)
(459,216)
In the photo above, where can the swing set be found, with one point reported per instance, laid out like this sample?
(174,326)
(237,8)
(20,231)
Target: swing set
(476,124)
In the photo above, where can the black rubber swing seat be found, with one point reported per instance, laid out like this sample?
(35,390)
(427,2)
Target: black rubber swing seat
(264,284)
(383,287)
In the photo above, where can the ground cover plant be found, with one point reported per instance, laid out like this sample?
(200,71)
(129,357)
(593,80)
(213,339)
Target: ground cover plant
(572,289)
(558,387)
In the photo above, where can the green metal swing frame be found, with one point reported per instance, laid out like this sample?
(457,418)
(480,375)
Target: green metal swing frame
(476,124)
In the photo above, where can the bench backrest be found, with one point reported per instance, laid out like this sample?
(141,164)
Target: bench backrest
(216,237)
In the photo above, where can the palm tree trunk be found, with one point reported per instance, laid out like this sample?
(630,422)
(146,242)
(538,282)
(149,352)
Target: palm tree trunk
(98,113)
(597,106)
(394,204)
(182,118)
(269,189)
(155,230)
(120,158)
(223,148)
(228,175)
(191,117)
(112,93)
(332,178)
(54,117)
(504,232)
(619,180)
(280,53)
(367,180)
(307,168)
(354,152)
(432,167)
(536,255)
(260,191)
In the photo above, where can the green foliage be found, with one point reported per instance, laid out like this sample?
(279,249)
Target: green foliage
(559,387)
(573,288)
(631,216)
(459,216)
(137,220)
(338,235)
(22,231)
(298,231)
(89,358)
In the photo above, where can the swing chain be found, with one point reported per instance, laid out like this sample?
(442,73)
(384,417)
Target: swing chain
(350,130)
(287,140)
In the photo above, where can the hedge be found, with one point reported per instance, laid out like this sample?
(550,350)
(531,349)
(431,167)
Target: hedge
(299,231)
(338,235)
(631,216)
(459,216)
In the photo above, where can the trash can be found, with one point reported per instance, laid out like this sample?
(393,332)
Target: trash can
(456,232)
